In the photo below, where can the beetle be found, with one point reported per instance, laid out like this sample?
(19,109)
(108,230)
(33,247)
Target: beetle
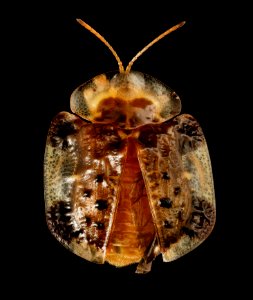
(126,177)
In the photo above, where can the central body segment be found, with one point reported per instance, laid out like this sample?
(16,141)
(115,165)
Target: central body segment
(133,228)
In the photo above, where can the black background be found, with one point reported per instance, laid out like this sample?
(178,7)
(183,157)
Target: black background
(53,55)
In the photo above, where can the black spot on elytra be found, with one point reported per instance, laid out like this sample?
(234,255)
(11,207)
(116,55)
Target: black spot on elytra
(191,233)
(170,240)
(101,204)
(148,138)
(65,145)
(60,132)
(127,131)
(88,221)
(100,225)
(115,144)
(167,224)
(177,190)
(64,129)
(99,178)
(87,193)
(165,202)
(76,234)
(121,118)
(165,176)
(180,216)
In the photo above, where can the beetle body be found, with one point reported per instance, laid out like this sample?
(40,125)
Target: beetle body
(127,177)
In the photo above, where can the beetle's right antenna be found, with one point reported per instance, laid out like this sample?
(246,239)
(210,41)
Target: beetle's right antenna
(103,40)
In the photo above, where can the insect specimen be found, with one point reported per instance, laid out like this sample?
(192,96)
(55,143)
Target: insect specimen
(126,176)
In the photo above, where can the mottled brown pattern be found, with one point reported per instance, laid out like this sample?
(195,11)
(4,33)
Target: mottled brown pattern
(201,220)
(163,158)
(59,221)
(191,134)
(83,177)
(171,195)
(127,114)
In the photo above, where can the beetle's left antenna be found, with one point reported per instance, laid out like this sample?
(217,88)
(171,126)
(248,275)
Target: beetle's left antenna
(102,39)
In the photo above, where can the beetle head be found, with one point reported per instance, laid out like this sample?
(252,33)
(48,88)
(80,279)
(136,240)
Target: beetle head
(127,98)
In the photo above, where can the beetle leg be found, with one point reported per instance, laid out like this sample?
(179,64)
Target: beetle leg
(152,251)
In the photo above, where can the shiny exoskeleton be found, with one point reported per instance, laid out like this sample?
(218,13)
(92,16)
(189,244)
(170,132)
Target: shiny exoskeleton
(126,177)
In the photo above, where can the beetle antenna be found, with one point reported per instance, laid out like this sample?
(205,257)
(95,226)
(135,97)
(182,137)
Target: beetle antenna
(103,40)
(129,66)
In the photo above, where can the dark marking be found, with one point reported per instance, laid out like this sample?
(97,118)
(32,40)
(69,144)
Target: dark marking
(180,216)
(170,240)
(148,138)
(111,110)
(59,131)
(191,233)
(191,134)
(87,193)
(165,176)
(190,129)
(64,129)
(198,219)
(167,224)
(99,243)
(121,118)
(59,221)
(201,220)
(101,204)
(106,130)
(65,144)
(203,206)
(165,202)
(140,102)
(177,190)
(55,141)
(100,225)
(88,221)
(127,131)
(115,144)
(99,178)
(76,234)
